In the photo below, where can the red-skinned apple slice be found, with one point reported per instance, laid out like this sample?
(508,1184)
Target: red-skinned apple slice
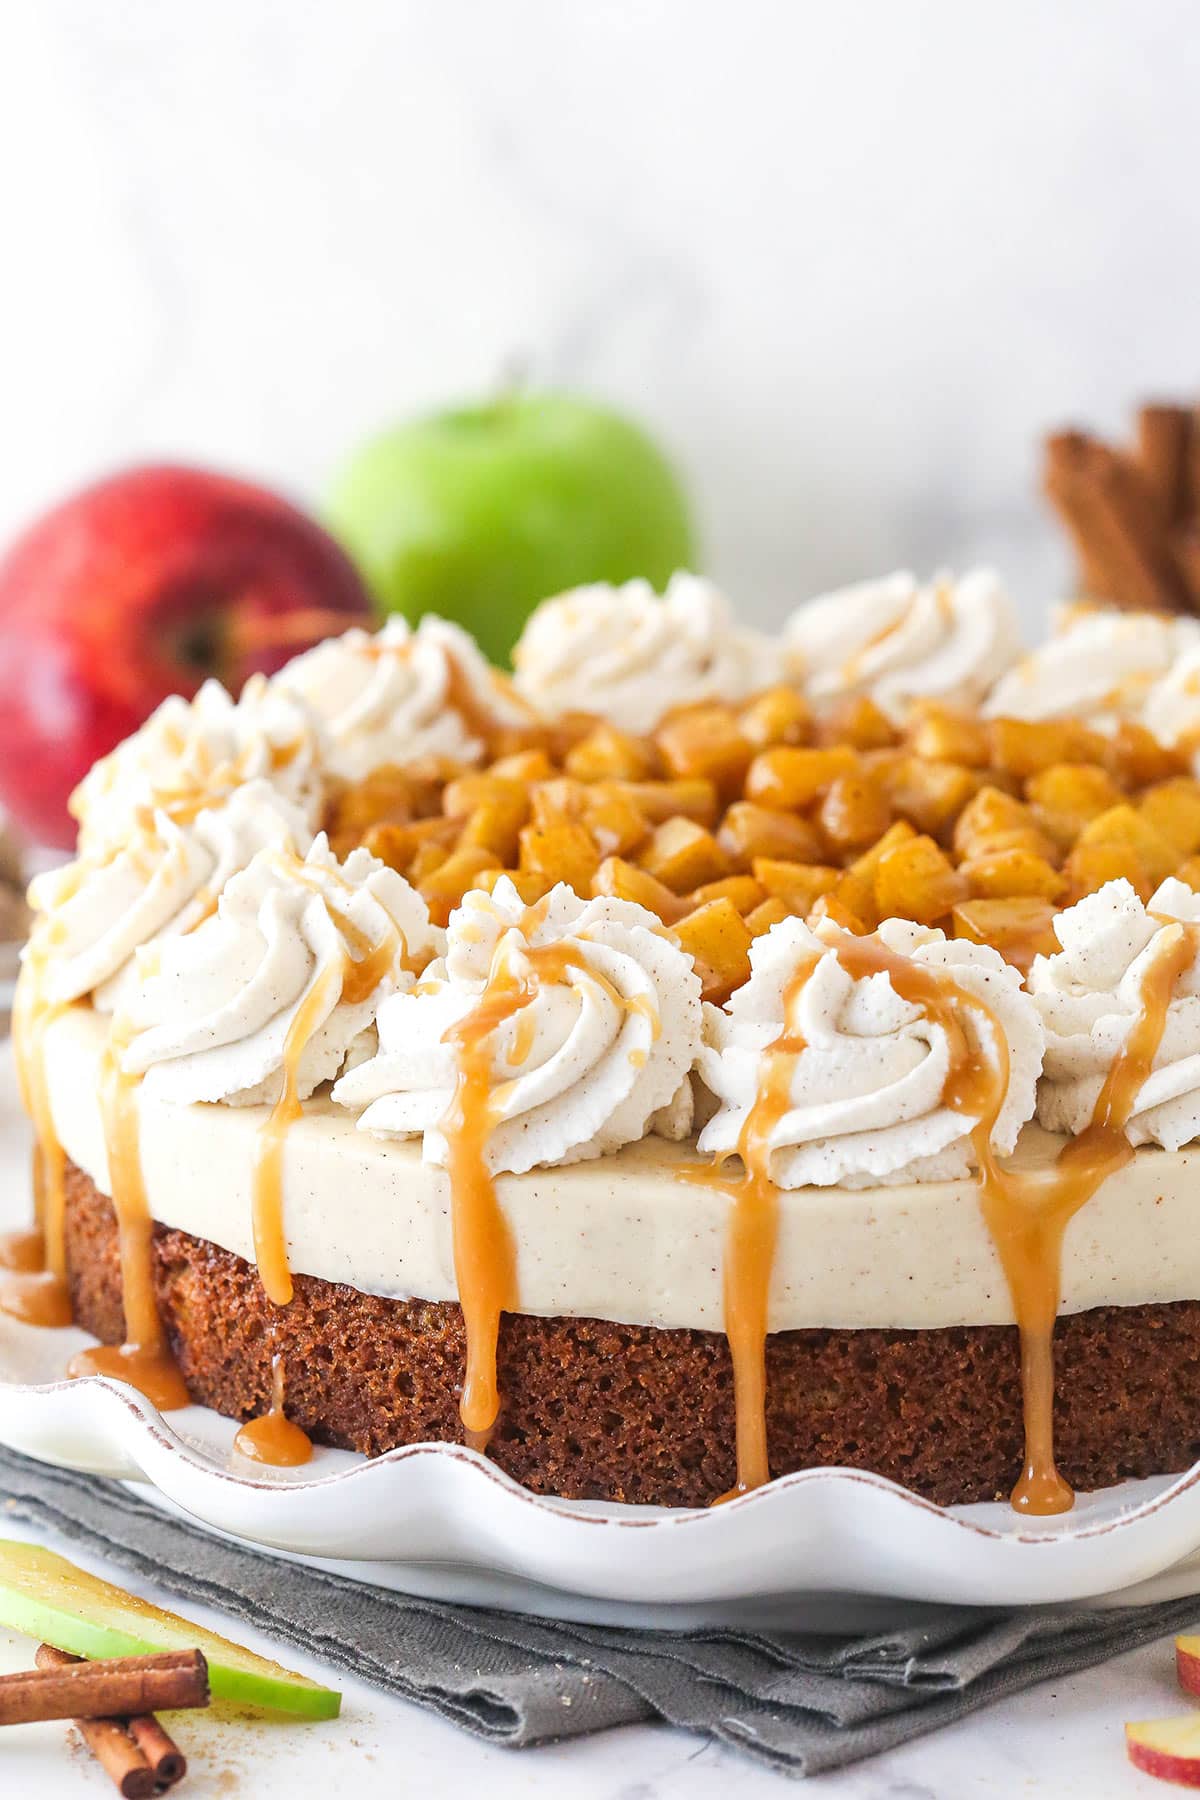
(1187,1663)
(1167,1748)
(137,588)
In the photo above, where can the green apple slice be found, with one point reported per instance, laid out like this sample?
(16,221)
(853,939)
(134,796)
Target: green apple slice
(47,1597)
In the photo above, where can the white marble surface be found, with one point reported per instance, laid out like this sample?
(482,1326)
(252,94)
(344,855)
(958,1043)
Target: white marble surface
(849,260)
(1062,1741)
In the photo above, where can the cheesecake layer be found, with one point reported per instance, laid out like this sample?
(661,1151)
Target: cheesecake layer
(624,1238)
(597,1410)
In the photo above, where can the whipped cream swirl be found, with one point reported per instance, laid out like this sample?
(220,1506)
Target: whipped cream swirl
(597,1057)
(193,753)
(217,1014)
(865,1099)
(1101,666)
(1089,995)
(631,656)
(163,880)
(897,641)
(400,695)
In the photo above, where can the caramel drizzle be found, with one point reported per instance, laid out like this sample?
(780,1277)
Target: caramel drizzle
(205,784)
(270,1238)
(35,1289)
(37,1292)
(523,1039)
(484,1252)
(851,670)
(1026,1212)
(202,905)
(23,1252)
(274,1438)
(352,980)
(478,718)
(485,1260)
(144,1360)
(461,696)
(752,1235)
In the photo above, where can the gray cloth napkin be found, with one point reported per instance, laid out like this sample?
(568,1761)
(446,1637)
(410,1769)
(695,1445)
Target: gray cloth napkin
(800,1702)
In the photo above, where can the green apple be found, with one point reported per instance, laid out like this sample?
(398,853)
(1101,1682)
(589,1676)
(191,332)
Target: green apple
(49,1598)
(478,514)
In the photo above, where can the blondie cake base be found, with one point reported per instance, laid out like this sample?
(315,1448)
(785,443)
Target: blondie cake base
(596,1410)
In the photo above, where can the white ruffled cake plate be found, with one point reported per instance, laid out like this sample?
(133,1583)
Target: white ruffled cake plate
(824,1548)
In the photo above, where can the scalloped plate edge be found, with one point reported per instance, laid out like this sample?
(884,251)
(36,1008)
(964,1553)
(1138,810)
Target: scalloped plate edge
(815,1531)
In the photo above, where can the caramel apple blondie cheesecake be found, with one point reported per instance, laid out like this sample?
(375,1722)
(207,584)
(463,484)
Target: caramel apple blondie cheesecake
(702,1056)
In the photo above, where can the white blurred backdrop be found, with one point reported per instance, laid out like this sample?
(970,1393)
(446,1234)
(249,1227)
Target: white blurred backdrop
(849,260)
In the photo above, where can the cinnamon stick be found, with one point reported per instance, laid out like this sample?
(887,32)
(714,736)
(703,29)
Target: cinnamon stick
(1164,442)
(1071,493)
(1185,544)
(167,1762)
(128,1749)
(119,1757)
(1191,473)
(1109,509)
(113,1689)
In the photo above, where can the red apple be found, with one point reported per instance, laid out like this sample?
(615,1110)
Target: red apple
(137,588)
(1187,1663)
(1167,1748)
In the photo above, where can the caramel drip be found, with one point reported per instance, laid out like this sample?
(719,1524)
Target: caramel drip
(144,1359)
(524,1036)
(24,1252)
(484,1255)
(284,755)
(851,669)
(352,980)
(750,1246)
(205,904)
(485,1263)
(203,784)
(1027,1215)
(370,960)
(270,1240)
(29,1291)
(273,1438)
(1026,1212)
(643,1006)
(35,1290)
(474,712)
(184,804)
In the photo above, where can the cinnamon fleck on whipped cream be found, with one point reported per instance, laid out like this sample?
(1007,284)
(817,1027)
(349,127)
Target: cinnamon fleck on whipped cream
(401,695)
(1089,996)
(865,1104)
(597,1057)
(631,656)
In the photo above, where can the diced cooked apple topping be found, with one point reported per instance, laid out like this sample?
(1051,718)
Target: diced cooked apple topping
(729,819)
